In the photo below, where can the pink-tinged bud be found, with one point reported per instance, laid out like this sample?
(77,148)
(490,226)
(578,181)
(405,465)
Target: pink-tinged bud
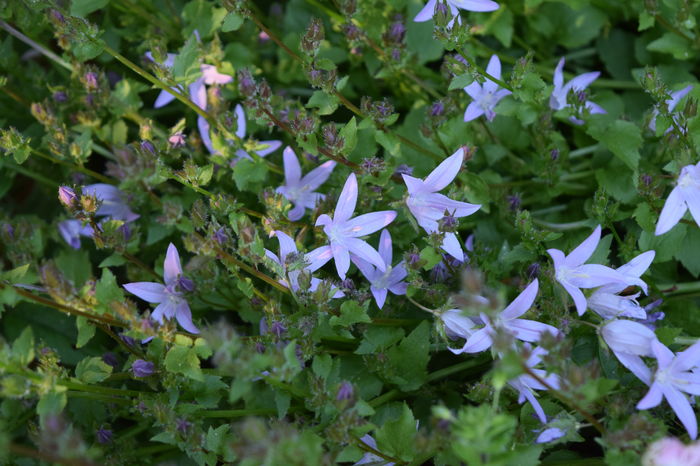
(671,452)
(91,80)
(67,196)
(177,140)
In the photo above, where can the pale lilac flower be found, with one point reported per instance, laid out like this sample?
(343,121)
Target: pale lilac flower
(670,451)
(72,230)
(299,190)
(609,304)
(507,320)
(671,103)
(427,206)
(558,99)
(573,274)
(344,233)
(428,10)
(390,279)
(288,247)
(170,299)
(673,376)
(262,148)
(112,202)
(629,341)
(526,384)
(486,96)
(550,434)
(685,196)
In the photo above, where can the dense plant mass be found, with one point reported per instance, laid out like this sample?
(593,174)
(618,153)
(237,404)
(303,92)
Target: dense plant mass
(349,232)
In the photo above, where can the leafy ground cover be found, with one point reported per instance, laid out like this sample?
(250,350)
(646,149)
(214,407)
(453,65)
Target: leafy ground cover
(349,232)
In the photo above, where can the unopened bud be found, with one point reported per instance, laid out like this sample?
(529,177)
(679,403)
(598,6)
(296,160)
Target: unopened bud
(67,196)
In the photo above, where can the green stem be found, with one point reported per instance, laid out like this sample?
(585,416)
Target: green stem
(483,73)
(30,174)
(75,167)
(36,46)
(583,151)
(236,413)
(562,226)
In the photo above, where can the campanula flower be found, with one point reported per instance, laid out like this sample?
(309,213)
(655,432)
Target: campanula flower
(72,230)
(169,297)
(344,233)
(428,10)
(550,434)
(112,202)
(629,341)
(522,329)
(262,148)
(526,384)
(558,99)
(673,376)
(428,207)
(390,279)
(289,247)
(671,103)
(606,300)
(670,451)
(299,190)
(573,274)
(487,95)
(685,196)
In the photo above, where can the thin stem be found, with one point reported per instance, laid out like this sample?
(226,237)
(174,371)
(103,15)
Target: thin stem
(363,446)
(562,226)
(36,46)
(564,399)
(236,413)
(583,151)
(21,450)
(485,74)
(75,167)
(64,308)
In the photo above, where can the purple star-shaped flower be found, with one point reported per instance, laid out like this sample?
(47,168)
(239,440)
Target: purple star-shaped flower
(629,341)
(112,202)
(486,96)
(387,280)
(573,274)
(671,103)
(522,329)
(606,300)
(427,206)
(526,384)
(685,196)
(262,148)
(344,233)
(558,99)
(169,297)
(673,376)
(299,190)
(428,10)
(288,247)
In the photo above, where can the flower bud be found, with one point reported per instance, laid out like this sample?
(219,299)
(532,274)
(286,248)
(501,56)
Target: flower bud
(345,392)
(67,196)
(142,368)
(104,436)
(177,140)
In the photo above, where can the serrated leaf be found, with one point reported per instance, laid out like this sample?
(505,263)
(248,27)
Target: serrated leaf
(23,347)
(107,291)
(397,437)
(86,331)
(350,313)
(93,370)
(183,360)
(622,138)
(324,102)
(349,136)
(232,22)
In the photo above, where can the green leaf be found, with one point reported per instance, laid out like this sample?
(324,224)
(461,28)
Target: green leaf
(86,331)
(248,175)
(23,347)
(396,438)
(15,275)
(410,358)
(326,103)
(186,64)
(622,138)
(690,256)
(232,22)
(113,260)
(378,339)
(92,370)
(672,44)
(349,136)
(183,360)
(431,256)
(82,8)
(351,313)
(200,15)
(461,81)
(107,291)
